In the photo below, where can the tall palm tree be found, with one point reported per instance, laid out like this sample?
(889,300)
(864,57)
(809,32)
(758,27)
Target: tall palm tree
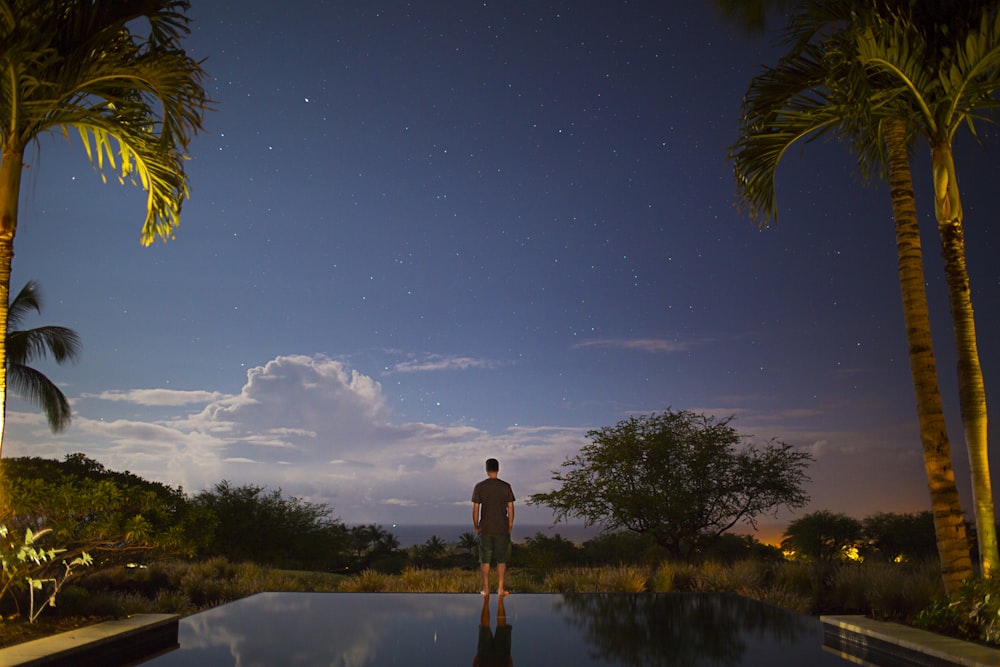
(113,71)
(817,89)
(24,346)
(947,79)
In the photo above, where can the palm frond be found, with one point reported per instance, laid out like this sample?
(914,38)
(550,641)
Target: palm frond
(136,100)
(26,346)
(895,55)
(29,298)
(38,389)
(970,79)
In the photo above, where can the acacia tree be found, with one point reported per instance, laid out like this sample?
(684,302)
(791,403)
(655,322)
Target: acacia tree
(676,476)
(113,71)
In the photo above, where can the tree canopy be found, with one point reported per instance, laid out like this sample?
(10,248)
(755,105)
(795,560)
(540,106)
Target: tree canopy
(822,536)
(677,476)
(270,529)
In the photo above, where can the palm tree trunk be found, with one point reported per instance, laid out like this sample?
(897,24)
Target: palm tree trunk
(971,389)
(949,525)
(10,189)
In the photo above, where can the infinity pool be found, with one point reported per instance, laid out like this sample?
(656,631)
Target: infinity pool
(375,629)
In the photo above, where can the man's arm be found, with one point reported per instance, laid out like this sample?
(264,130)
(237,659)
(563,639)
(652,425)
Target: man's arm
(510,517)
(475,517)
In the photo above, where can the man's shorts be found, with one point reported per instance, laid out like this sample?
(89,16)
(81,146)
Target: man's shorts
(494,549)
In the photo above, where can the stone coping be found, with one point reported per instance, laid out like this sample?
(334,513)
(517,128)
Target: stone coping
(907,645)
(118,642)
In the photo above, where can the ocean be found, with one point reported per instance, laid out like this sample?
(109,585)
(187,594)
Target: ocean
(409,535)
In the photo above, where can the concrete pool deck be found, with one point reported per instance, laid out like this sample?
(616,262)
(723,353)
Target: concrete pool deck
(865,641)
(119,642)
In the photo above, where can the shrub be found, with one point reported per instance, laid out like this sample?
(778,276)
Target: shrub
(973,614)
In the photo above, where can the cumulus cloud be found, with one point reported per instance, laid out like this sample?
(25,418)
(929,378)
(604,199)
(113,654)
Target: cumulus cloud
(317,429)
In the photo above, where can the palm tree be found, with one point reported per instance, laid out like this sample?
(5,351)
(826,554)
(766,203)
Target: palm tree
(817,89)
(24,346)
(135,99)
(947,78)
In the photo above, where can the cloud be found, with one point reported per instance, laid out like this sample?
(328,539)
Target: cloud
(437,362)
(317,429)
(325,432)
(651,345)
(157,397)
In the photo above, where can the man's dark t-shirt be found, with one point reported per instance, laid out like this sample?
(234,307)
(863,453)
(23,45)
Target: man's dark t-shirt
(493,494)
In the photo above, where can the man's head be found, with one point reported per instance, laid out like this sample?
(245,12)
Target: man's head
(492,466)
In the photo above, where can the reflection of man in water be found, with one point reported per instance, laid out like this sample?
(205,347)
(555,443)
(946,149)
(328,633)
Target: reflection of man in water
(494,648)
(493,525)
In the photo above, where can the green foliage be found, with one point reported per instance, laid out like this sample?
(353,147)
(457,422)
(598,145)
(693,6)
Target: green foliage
(25,563)
(677,476)
(116,74)
(112,516)
(269,529)
(973,613)
(822,536)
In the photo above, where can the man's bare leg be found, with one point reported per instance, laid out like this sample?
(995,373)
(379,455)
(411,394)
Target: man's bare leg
(485,569)
(501,570)
(484,617)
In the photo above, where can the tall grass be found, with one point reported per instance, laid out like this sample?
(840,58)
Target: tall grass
(618,579)
(883,590)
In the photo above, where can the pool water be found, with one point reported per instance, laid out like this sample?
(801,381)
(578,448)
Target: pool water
(374,629)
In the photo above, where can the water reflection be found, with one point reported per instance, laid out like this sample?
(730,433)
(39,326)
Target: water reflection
(374,629)
(493,648)
(681,629)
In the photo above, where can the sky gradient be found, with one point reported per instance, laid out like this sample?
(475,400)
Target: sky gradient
(420,235)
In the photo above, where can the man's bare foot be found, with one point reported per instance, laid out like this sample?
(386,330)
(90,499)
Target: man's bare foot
(502,593)
(485,594)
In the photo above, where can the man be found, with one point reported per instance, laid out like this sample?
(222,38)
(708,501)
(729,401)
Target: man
(493,524)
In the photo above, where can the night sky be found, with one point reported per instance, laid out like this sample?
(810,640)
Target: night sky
(420,235)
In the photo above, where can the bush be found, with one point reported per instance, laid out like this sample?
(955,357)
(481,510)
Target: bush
(973,614)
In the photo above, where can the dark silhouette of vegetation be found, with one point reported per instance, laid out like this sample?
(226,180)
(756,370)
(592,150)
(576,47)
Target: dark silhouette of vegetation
(269,529)
(680,477)
(822,536)
(900,537)
(24,346)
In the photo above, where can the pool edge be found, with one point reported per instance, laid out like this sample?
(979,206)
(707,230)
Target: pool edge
(118,642)
(899,640)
